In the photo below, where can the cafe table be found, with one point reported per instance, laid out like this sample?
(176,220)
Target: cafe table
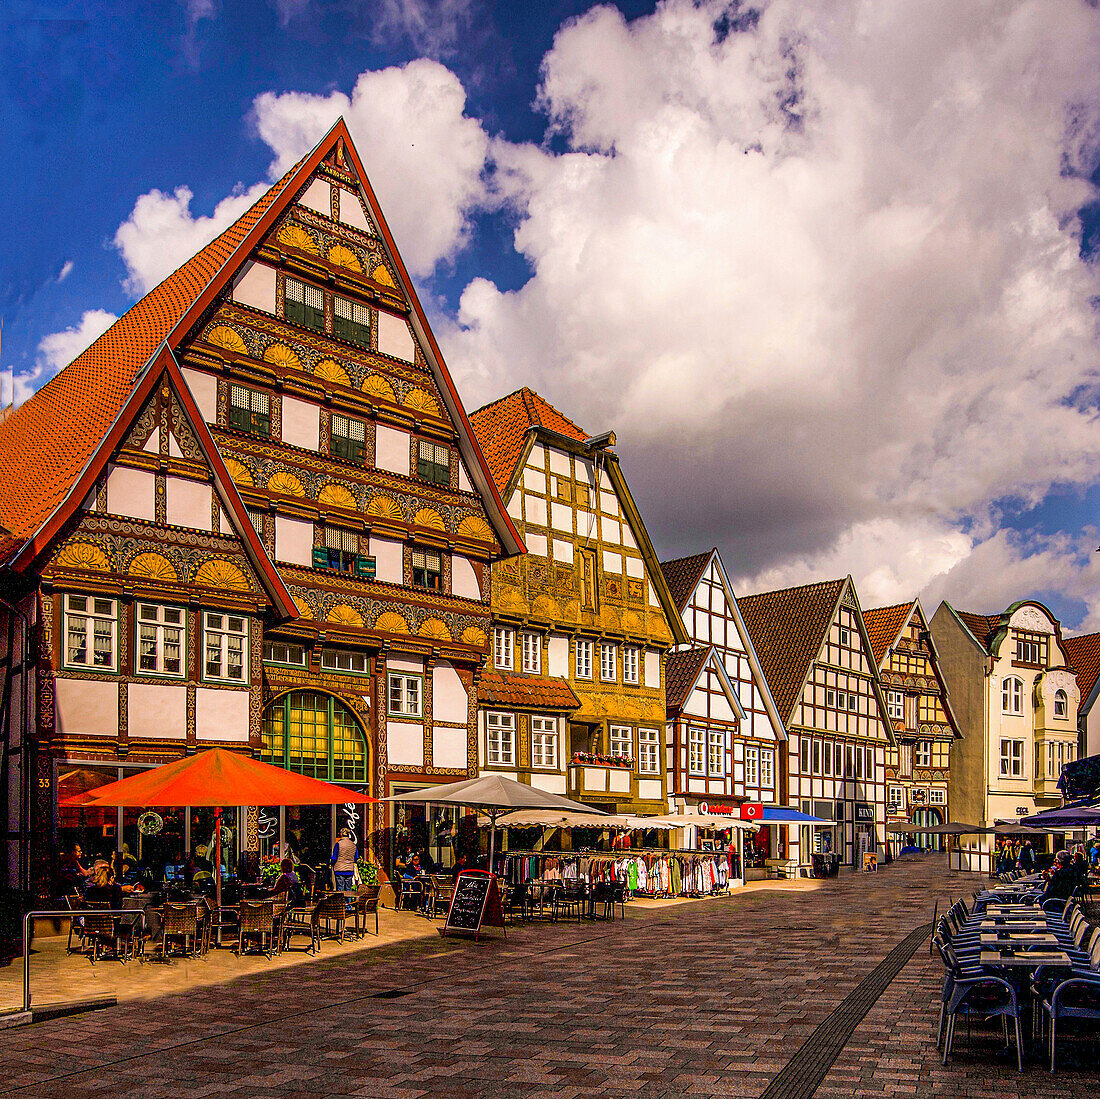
(1024,959)
(1024,938)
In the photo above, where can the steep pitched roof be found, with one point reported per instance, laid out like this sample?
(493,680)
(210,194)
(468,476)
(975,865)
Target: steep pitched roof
(502,425)
(536,692)
(1083,654)
(787,629)
(883,626)
(681,672)
(982,626)
(683,574)
(48,442)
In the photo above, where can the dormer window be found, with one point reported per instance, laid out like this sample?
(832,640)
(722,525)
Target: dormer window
(1032,648)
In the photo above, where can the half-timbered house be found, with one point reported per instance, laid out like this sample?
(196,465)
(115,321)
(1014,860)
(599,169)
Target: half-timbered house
(574,700)
(818,662)
(918,765)
(252,514)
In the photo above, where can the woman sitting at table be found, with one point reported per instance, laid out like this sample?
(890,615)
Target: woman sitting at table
(288,883)
(104,888)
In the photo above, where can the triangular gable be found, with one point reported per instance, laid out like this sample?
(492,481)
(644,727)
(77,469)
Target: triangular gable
(683,576)
(686,670)
(164,364)
(85,399)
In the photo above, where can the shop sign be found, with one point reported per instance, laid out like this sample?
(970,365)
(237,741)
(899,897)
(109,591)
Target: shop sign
(1024,810)
(708,810)
(918,795)
(864,812)
(752,810)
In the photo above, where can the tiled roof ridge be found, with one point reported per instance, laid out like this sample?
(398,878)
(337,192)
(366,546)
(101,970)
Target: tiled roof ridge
(818,584)
(890,607)
(682,574)
(531,399)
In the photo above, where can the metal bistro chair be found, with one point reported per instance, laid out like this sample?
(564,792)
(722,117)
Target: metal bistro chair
(75,904)
(570,898)
(302,920)
(442,890)
(258,924)
(105,931)
(366,904)
(179,922)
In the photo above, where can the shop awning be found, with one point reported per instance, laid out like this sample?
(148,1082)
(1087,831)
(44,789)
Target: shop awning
(784,814)
(1070,817)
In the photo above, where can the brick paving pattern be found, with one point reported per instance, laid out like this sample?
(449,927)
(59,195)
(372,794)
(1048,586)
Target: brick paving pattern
(711,998)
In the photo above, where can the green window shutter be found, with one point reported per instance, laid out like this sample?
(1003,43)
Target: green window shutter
(320,557)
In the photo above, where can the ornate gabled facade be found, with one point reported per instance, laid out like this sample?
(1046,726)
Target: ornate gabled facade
(254,514)
(820,667)
(724,735)
(918,766)
(1016,700)
(575,702)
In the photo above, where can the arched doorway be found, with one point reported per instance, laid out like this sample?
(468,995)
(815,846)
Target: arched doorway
(928,818)
(315,734)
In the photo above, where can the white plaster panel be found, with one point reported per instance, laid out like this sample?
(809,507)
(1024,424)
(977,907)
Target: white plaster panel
(652,669)
(157,710)
(554,784)
(394,337)
(449,748)
(188,503)
(464,579)
(649,788)
(391,449)
(388,558)
(174,450)
(559,463)
(86,706)
(293,541)
(449,698)
(351,211)
(221,715)
(318,197)
(618,782)
(152,446)
(256,287)
(534,480)
(131,492)
(537,457)
(557,656)
(515,507)
(301,423)
(563,551)
(628,537)
(406,666)
(595,778)
(635,567)
(405,744)
(610,531)
(612,562)
(536,509)
(721,709)
(561,517)
(536,544)
(204,388)
(464,484)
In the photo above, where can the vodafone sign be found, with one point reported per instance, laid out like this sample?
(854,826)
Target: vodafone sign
(752,810)
(749,811)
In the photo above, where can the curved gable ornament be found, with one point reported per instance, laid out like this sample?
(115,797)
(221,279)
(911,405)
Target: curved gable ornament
(435,628)
(382,276)
(1030,618)
(240,473)
(152,566)
(474,635)
(420,400)
(374,385)
(83,556)
(336,495)
(295,237)
(331,371)
(473,526)
(342,256)
(344,615)
(385,508)
(304,609)
(224,336)
(221,574)
(391,622)
(284,483)
(430,518)
(278,354)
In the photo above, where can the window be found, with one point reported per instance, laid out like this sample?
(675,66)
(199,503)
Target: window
(1012,759)
(427,570)
(716,753)
(648,757)
(630,664)
(345,660)
(316,735)
(804,756)
(503,648)
(501,739)
(895,703)
(853,702)
(850,770)
(1031,648)
(608,661)
(816,768)
(696,760)
(305,305)
(405,693)
(91,633)
(544,743)
(280,652)
(350,321)
(160,639)
(923,754)
(845,635)
(752,766)
(1012,696)
(622,741)
(532,653)
(937,796)
(1061,702)
(583,658)
(869,763)
(830,697)
(897,798)
(571,491)
(249,410)
(348,439)
(827,758)
(225,645)
(342,549)
(767,767)
(433,463)
(256,518)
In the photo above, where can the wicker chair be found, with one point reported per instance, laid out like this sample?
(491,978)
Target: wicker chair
(333,910)
(443,889)
(301,921)
(179,922)
(366,904)
(104,932)
(76,925)
(257,922)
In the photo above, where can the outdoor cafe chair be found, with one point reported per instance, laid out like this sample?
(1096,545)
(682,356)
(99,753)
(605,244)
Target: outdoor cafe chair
(442,890)
(302,920)
(257,924)
(179,923)
(981,995)
(412,897)
(1076,997)
(366,905)
(106,933)
(75,903)
(570,898)
(334,911)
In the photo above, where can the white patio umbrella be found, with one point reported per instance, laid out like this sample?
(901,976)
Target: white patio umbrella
(497,797)
(701,820)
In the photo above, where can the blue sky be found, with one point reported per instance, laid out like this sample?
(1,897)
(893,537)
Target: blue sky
(825,267)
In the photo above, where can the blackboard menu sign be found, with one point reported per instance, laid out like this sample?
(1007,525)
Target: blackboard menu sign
(475,904)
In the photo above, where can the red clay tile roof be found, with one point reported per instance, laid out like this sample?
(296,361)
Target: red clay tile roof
(1083,654)
(9,544)
(884,624)
(982,626)
(681,671)
(787,629)
(682,576)
(530,692)
(501,429)
(47,441)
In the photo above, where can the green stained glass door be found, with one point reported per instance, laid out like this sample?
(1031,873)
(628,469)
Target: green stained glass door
(315,734)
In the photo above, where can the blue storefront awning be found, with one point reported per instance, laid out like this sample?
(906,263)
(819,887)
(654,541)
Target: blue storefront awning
(784,814)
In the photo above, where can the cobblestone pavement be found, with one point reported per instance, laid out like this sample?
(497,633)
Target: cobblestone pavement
(711,998)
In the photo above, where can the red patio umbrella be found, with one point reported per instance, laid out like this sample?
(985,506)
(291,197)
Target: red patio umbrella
(215,778)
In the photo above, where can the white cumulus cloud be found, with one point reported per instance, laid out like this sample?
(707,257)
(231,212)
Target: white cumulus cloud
(58,349)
